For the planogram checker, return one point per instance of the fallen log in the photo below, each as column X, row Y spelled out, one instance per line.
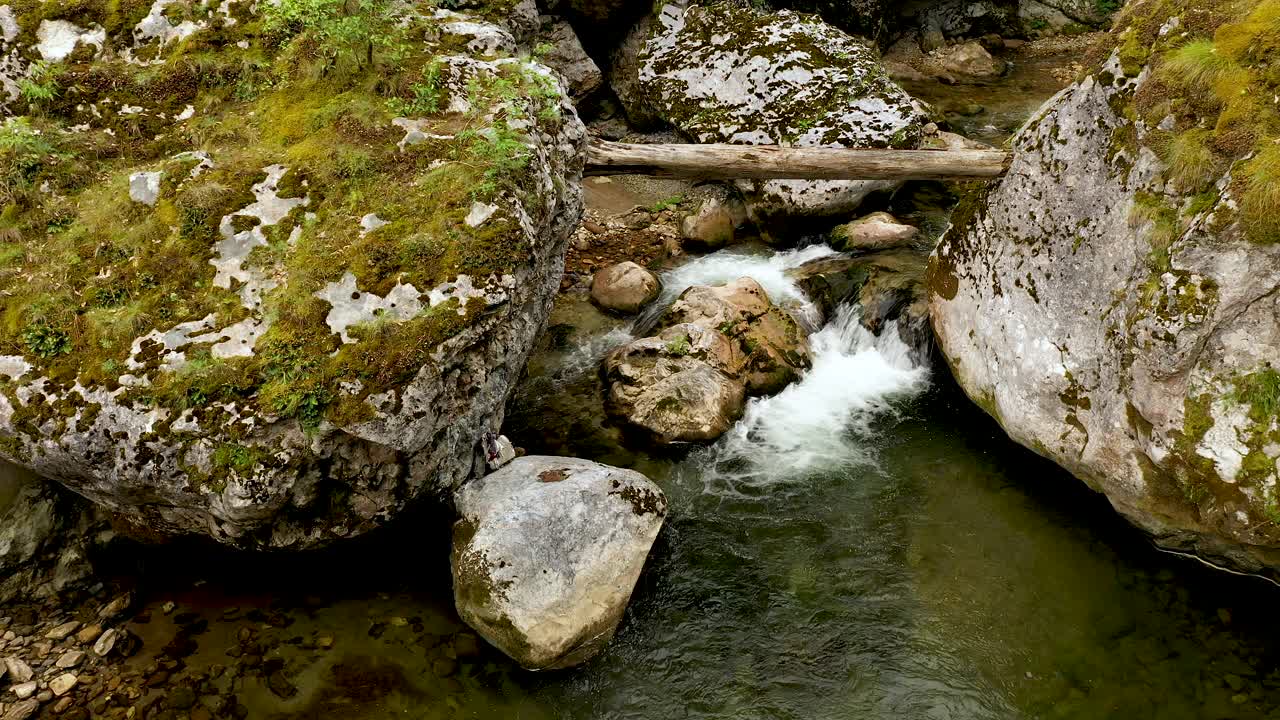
column 773, row 162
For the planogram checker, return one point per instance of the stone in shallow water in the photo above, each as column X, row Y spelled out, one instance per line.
column 547, row 552
column 625, row 287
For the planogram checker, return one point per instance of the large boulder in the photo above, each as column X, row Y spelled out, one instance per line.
column 867, row 18
column 1113, row 301
column 773, row 346
column 877, row 231
column 546, row 553
column 565, row 53
column 767, row 78
column 321, row 314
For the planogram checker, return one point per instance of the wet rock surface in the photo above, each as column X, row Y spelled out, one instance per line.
column 625, row 287
column 546, row 552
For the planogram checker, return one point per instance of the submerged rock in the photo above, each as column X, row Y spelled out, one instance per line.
column 721, row 73
column 625, row 287
column 1119, row 315
column 546, row 553
column 968, row 60
column 244, row 358
column 888, row 288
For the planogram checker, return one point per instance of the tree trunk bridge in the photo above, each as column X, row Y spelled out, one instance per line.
column 773, row 162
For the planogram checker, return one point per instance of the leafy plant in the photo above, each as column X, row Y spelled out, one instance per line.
column 46, row 342
column 40, row 85
column 666, row 203
column 427, row 95
column 679, row 346
column 349, row 35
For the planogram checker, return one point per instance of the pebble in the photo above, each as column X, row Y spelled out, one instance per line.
column 181, row 698
column 70, row 659
column 106, row 642
column 89, row 633
column 116, row 607
column 19, row 671
column 62, row 705
column 25, row 690
column 63, row 631
column 168, row 607
column 22, row 710
column 324, row 642
column 44, row 696
column 62, row 684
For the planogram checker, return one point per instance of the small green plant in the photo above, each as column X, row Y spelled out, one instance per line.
column 500, row 152
column 666, row 203
column 349, row 35
column 18, row 137
column 679, row 346
column 40, row 86
column 1261, row 392
column 46, row 342
column 427, row 95
column 1106, row 7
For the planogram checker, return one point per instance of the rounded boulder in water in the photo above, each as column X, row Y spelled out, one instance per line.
column 546, row 553
column 625, row 287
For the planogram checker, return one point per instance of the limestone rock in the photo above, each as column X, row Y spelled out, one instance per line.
column 877, row 231
column 769, row 79
column 868, row 18
column 46, row 536
column 144, row 187
column 625, row 287
column 968, row 60
column 106, row 642
column 22, row 710
column 546, row 553
column 568, row 58
column 774, row 346
column 22, row 691
column 679, row 386
column 710, row 228
column 1115, row 323
column 401, row 347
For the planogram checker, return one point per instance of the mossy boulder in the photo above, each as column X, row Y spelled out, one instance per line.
column 269, row 271
column 724, row 73
column 1113, row 301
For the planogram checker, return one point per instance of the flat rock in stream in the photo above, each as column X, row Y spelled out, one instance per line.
column 546, row 553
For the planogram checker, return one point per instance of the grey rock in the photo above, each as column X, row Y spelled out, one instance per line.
column 24, row 690
column 63, row 631
column 106, row 643
column 567, row 56
column 625, row 287
column 45, row 536
column 1119, row 352
column 70, row 659
column 772, row 78
column 19, row 671
column 546, row 552
column 144, row 187
column 422, row 435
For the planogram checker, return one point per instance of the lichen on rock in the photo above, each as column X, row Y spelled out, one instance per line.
column 721, row 73
column 201, row 331
column 1113, row 300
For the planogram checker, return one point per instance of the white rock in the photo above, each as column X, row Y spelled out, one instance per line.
column 62, row 684
column 547, row 552
column 144, row 187
column 25, row 690
column 56, row 39
column 106, row 642
column 70, row 659
column 19, row 671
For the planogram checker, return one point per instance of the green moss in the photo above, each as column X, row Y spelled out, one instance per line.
column 314, row 91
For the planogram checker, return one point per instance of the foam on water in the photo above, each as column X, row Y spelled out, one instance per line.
column 822, row 422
